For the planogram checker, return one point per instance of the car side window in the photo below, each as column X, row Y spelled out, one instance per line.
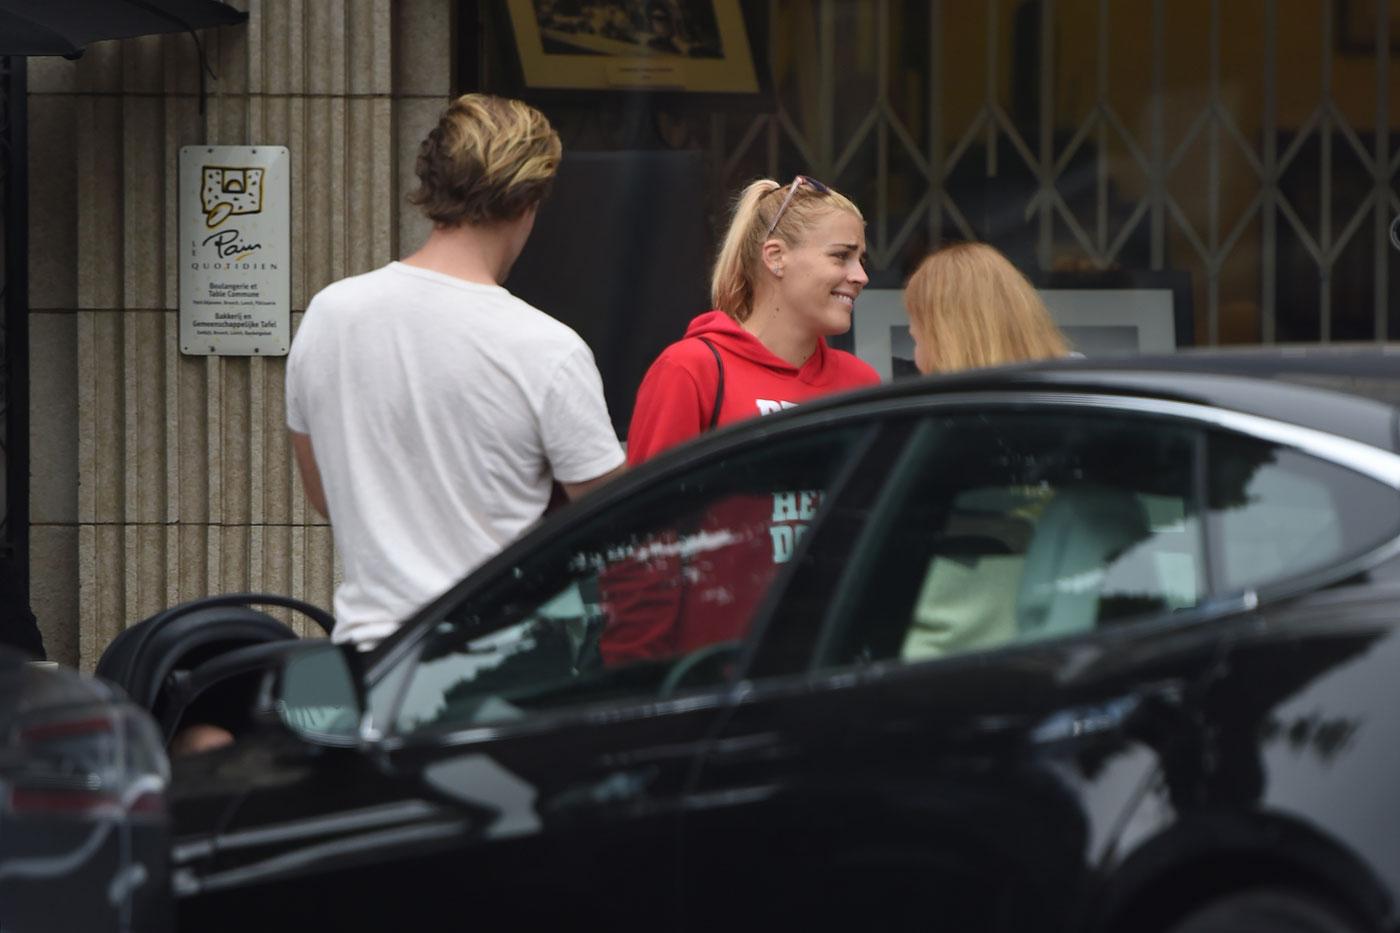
column 1276, row 513
column 1003, row 528
column 647, row 599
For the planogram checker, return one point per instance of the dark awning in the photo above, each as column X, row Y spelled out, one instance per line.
column 66, row 27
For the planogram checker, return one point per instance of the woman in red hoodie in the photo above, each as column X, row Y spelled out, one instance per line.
column 787, row 277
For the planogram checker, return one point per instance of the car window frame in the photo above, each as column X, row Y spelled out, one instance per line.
column 1364, row 459
column 888, row 504
column 395, row 666
column 878, row 413
column 888, row 439
column 1350, row 564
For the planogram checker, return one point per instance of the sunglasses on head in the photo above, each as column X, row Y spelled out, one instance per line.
column 797, row 182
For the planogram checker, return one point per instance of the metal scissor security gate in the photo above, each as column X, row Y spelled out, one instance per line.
column 1251, row 150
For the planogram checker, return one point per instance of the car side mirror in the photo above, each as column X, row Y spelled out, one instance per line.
column 319, row 696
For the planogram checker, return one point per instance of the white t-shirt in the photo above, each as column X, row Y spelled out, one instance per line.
column 439, row 410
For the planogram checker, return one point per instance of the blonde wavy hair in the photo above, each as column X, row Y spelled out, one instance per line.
column 971, row 307
column 740, row 256
column 489, row 159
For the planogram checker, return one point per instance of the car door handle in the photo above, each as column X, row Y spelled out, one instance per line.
column 618, row 787
column 1140, row 714
column 757, row 746
column 1083, row 721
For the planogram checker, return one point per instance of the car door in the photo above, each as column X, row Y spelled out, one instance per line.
column 541, row 723
column 1006, row 666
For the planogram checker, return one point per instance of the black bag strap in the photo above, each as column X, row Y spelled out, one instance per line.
column 719, row 390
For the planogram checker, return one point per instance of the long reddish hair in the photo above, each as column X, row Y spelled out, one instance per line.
column 972, row 307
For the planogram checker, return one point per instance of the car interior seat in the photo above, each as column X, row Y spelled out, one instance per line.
column 1072, row 561
column 967, row 600
column 947, row 577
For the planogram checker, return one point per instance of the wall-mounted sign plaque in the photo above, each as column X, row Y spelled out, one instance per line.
column 235, row 251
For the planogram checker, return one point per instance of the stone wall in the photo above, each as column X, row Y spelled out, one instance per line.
column 157, row 477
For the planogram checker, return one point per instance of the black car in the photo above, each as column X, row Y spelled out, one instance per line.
column 84, row 830
column 1082, row 645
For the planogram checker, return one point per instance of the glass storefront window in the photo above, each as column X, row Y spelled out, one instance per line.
column 1243, row 147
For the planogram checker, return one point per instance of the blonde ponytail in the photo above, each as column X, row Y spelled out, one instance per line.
column 731, row 285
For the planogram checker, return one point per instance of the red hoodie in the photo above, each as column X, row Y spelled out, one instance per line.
column 678, row 593
column 677, row 396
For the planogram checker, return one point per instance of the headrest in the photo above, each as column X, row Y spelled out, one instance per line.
column 1081, row 532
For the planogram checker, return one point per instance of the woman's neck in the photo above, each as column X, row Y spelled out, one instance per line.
column 780, row 330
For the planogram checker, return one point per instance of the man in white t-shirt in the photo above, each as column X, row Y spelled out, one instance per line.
column 430, row 409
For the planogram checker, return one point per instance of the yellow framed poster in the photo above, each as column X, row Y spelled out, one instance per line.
column 665, row 45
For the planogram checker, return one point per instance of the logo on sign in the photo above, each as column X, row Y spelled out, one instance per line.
column 225, row 192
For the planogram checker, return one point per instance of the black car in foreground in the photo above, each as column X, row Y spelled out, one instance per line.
column 1084, row 645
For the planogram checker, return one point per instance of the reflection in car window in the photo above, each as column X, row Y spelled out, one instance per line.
column 1276, row 513
column 1008, row 528
column 650, row 598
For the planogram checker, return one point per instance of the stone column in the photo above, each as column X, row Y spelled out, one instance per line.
column 158, row 477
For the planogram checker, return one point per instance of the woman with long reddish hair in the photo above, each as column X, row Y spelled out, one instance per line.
column 969, row 306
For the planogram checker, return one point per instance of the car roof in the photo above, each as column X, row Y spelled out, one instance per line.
column 1350, row 391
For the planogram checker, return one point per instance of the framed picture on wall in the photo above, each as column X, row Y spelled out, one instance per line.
column 627, row 45
column 1101, row 313
column 880, row 333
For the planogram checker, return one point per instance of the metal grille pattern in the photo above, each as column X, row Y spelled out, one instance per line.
column 817, row 87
